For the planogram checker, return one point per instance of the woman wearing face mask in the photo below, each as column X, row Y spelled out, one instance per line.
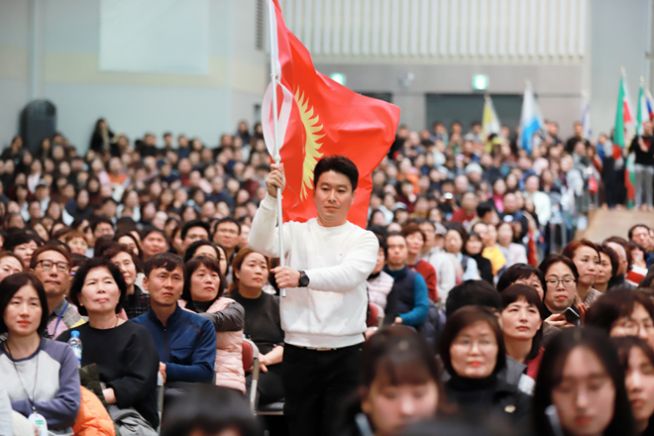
column 586, row 258
column 262, row 321
column 473, row 353
column 203, row 293
column 637, row 360
column 624, row 312
column 521, row 320
column 39, row 375
column 400, row 384
column 580, row 389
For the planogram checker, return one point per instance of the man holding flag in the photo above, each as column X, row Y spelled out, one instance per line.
column 323, row 312
column 326, row 140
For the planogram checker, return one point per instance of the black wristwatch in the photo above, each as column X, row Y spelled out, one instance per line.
column 304, row 280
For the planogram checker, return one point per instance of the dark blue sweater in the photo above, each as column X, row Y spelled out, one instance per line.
column 186, row 344
column 408, row 297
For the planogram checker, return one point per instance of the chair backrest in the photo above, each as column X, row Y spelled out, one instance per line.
column 373, row 315
column 250, row 356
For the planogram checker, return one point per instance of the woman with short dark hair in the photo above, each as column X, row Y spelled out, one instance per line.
column 624, row 312
column 562, row 308
column 39, row 375
column 400, row 384
column 522, row 273
column 204, row 286
column 473, row 352
column 522, row 326
column 262, row 321
column 136, row 301
column 124, row 352
column 607, row 268
column 586, row 257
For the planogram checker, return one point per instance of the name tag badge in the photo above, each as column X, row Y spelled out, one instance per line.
column 39, row 422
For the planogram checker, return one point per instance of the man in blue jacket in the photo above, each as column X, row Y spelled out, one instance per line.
column 186, row 342
column 407, row 302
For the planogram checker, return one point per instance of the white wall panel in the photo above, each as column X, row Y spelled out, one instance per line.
column 442, row 30
column 373, row 39
column 473, row 30
column 425, row 28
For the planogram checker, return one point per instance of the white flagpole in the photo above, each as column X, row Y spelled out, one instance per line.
column 274, row 78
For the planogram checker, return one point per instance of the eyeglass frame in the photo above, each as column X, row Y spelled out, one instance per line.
column 556, row 281
column 57, row 265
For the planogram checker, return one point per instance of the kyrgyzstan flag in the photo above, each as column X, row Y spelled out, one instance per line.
column 319, row 117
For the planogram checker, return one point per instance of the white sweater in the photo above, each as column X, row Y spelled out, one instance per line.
column 331, row 312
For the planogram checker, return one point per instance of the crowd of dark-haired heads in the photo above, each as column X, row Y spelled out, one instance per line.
column 516, row 322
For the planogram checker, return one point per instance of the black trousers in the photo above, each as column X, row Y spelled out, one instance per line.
column 316, row 384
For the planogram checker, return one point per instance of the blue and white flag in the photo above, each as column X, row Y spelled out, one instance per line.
column 530, row 119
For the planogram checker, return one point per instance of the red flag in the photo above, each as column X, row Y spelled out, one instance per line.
column 319, row 117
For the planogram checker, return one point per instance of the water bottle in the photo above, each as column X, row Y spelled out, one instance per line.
column 76, row 344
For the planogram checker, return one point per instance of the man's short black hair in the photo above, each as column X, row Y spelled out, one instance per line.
column 473, row 293
column 633, row 228
column 338, row 164
column 152, row 229
column 16, row 237
column 194, row 223
column 227, row 219
column 484, row 208
column 167, row 261
column 97, row 220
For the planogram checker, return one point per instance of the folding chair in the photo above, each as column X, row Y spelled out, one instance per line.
column 252, row 364
column 374, row 319
column 250, row 357
column 160, row 397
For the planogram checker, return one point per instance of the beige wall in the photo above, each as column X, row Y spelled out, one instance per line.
column 59, row 55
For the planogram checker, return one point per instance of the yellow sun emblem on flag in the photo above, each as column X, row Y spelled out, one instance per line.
column 313, row 130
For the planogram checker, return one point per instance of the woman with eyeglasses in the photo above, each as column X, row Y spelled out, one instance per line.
column 561, row 301
column 473, row 352
column 624, row 312
column 580, row 389
column 39, row 375
column 586, row 257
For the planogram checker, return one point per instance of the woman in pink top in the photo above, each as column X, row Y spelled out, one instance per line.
column 203, row 293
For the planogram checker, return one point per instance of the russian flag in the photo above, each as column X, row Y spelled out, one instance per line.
column 530, row 119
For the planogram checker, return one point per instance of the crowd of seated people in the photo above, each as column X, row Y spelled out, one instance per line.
column 142, row 251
